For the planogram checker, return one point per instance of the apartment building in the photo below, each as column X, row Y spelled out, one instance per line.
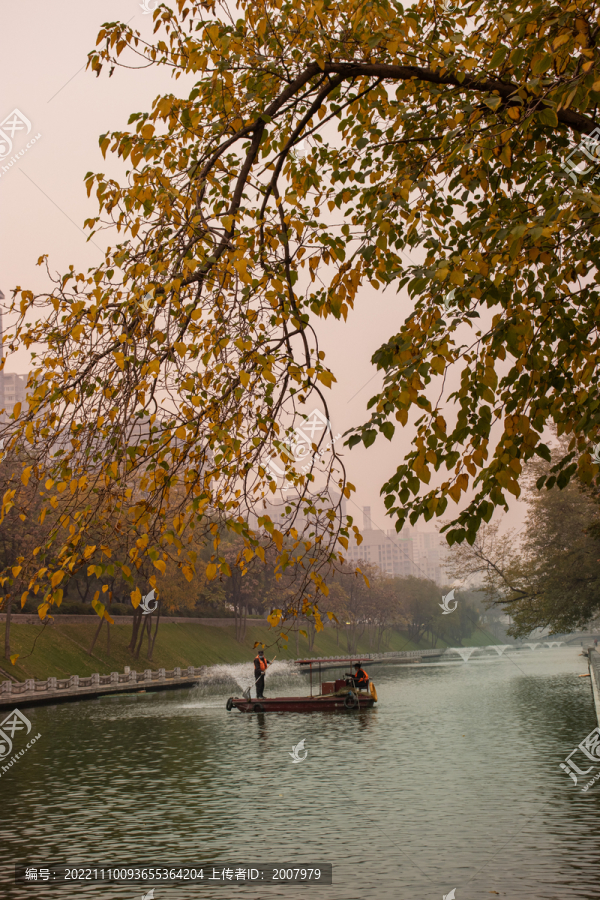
column 13, row 387
column 410, row 552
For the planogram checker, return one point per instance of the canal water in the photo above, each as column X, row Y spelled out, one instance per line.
column 452, row 783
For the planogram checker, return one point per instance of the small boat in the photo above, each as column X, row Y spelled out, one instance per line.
column 334, row 695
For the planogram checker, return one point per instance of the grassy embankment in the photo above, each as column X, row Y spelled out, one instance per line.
column 62, row 650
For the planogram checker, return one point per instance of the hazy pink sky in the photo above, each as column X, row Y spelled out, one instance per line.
column 44, row 203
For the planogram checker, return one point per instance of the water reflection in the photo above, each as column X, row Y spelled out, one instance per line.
column 452, row 781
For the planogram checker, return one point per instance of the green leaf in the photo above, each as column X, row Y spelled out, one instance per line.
column 369, row 437
column 493, row 102
column 542, row 64
column 548, row 117
column 498, row 57
column 517, row 56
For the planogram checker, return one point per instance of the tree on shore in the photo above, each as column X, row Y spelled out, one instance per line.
column 232, row 239
column 551, row 577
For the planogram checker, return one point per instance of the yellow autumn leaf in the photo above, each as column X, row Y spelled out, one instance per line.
column 99, row 608
column 26, row 475
column 327, row 378
column 14, row 658
column 274, row 618
column 56, row 579
column 136, row 598
column 160, row 565
column 211, row 571
column 242, row 265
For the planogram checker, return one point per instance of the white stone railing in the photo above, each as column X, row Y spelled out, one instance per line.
column 129, row 676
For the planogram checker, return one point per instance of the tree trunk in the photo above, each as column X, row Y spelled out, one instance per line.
column 8, row 601
column 96, row 635
column 353, row 636
column 87, row 588
column 139, row 645
column 151, row 647
column 350, row 639
column 108, row 638
column 241, row 615
column 244, row 621
column 137, row 620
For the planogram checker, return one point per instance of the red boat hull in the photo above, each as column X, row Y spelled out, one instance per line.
column 326, row 703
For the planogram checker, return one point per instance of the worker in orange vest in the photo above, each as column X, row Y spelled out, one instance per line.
column 260, row 667
column 360, row 679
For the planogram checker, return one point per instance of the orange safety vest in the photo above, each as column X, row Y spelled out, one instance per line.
column 261, row 662
column 361, row 675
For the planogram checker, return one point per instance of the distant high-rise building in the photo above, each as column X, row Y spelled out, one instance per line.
column 367, row 523
column 13, row 387
column 409, row 552
column 391, row 552
column 428, row 554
